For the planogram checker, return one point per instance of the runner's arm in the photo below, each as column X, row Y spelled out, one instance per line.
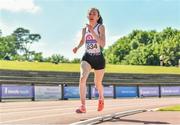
column 101, row 39
column 82, row 39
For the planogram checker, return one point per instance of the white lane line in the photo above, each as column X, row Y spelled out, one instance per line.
column 63, row 108
column 40, row 104
column 52, row 115
column 91, row 106
column 49, row 108
column 29, row 109
column 37, row 107
column 32, row 106
column 40, row 110
column 30, row 118
column 35, row 104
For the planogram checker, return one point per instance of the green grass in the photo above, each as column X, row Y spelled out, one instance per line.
column 171, row 108
column 16, row 65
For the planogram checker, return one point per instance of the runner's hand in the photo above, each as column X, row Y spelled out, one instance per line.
column 75, row 49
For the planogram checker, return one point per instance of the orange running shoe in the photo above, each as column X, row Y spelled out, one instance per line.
column 81, row 109
column 100, row 105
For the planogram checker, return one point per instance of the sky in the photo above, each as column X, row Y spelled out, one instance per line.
column 59, row 22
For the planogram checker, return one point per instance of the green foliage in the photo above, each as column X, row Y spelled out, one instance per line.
column 57, row 58
column 24, row 39
column 116, row 53
column 76, row 60
column 145, row 48
column 137, row 48
column 38, row 57
column 8, row 47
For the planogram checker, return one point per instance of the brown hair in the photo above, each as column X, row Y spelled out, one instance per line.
column 100, row 20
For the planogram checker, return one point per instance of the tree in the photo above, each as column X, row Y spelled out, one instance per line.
column 0, row 32
column 8, row 47
column 24, row 39
column 57, row 58
column 76, row 60
column 38, row 57
column 145, row 48
column 116, row 53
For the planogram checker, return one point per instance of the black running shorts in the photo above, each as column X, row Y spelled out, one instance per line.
column 97, row 62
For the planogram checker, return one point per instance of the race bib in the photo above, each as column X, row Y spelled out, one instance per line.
column 91, row 44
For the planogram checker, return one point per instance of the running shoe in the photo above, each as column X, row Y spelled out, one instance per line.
column 81, row 109
column 100, row 105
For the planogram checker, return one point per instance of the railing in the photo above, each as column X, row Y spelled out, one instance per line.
column 37, row 85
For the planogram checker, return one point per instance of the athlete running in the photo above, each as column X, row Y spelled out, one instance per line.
column 93, row 35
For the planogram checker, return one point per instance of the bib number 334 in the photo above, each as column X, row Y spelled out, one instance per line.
column 91, row 45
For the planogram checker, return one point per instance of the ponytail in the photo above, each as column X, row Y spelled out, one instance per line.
column 100, row 20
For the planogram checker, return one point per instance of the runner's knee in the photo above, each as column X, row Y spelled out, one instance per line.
column 98, row 85
column 83, row 79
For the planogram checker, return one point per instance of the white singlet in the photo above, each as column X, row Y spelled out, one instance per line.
column 91, row 44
